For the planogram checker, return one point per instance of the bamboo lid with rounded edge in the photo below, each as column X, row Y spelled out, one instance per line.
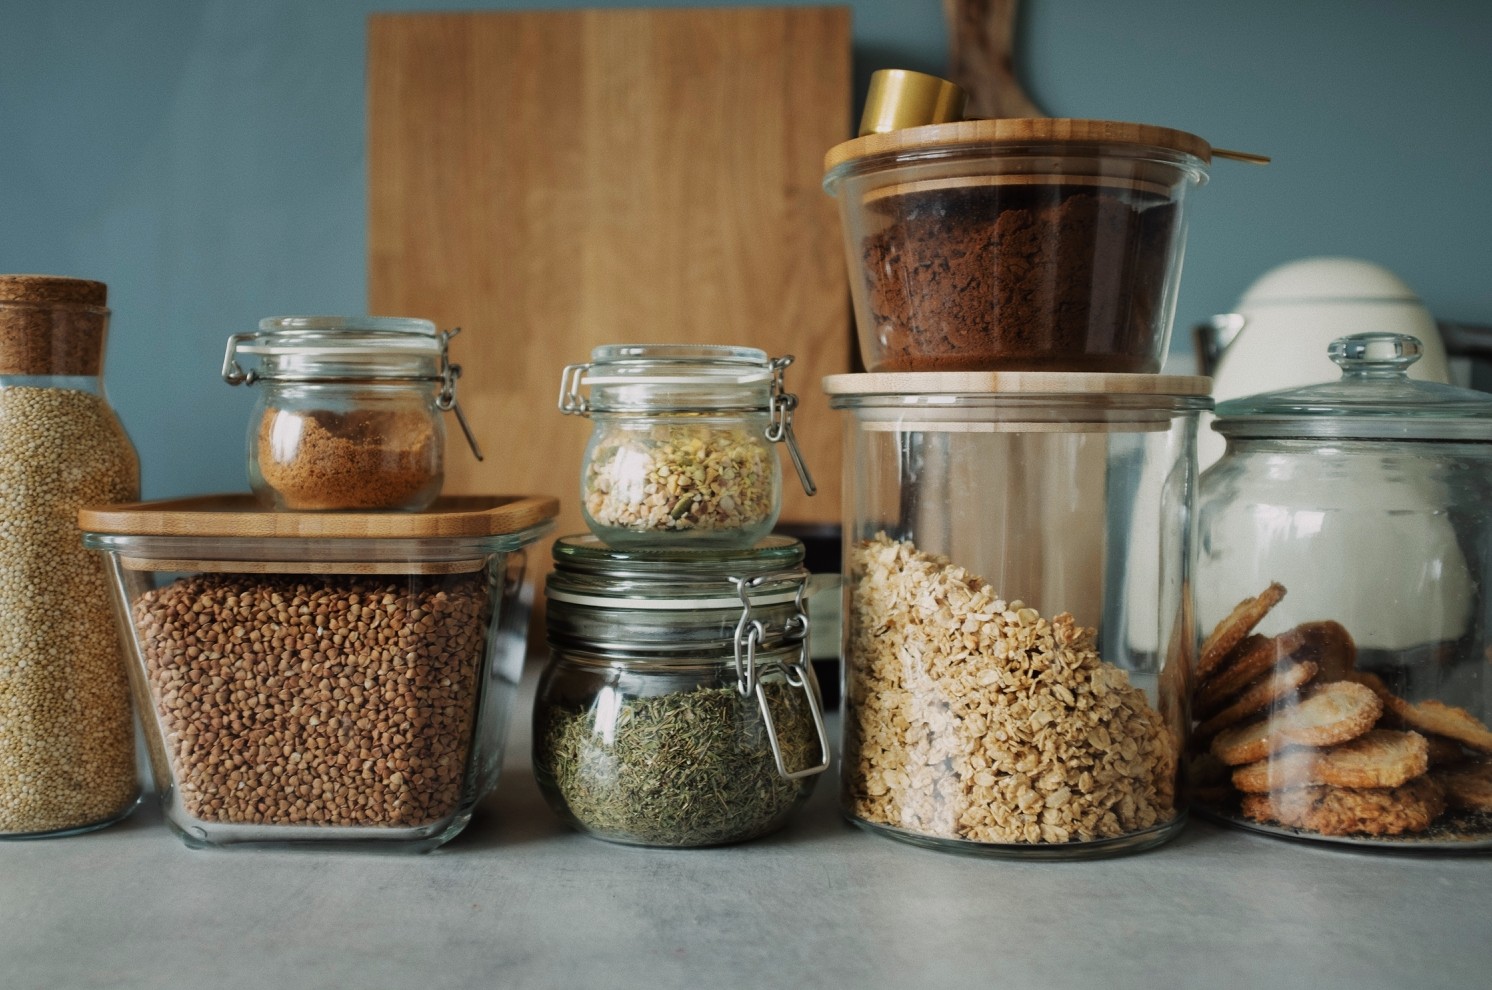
column 1014, row 383
column 242, row 516
column 1019, row 130
column 59, row 290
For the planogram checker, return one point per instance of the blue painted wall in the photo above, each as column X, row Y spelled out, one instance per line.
column 205, row 158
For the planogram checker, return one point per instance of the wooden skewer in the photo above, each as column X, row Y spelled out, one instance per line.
column 1241, row 156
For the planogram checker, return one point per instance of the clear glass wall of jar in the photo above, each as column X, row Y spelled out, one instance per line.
column 1017, row 608
column 672, row 712
column 1343, row 692
column 349, row 412
column 67, row 738
column 682, row 453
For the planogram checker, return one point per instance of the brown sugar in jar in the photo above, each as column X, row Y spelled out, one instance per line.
column 363, row 459
column 1035, row 277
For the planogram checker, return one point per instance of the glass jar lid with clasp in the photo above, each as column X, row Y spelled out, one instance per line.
column 349, row 413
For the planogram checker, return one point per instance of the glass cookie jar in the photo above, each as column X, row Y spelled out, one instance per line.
column 679, row 706
column 349, row 411
column 1018, row 606
column 1343, row 692
column 682, row 453
column 308, row 678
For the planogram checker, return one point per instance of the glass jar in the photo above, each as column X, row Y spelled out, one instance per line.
column 1018, row 554
column 682, row 448
column 1343, row 692
column 67, row 736
column 349, row 413
column 1044, row 244
column 308, row 678
column 679, row 706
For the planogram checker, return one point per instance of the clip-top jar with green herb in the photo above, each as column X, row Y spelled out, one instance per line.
column 679, row 706
column 682, row 453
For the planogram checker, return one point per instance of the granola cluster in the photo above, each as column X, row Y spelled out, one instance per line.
column 674, row 477
column 975, row 718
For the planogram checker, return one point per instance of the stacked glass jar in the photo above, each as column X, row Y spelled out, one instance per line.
column 679, row 705
column 1020, row 485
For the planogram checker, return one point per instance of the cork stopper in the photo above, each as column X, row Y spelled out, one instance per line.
column 52, row 325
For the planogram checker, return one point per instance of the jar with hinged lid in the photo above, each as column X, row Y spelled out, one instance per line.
column 682, row 450
column 349, row 416
column 679, row 706
column 1343, row 691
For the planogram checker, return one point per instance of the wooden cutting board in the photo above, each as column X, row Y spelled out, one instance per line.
column 553, row 181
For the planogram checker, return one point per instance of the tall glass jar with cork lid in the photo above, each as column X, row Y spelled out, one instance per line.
column 67, row 753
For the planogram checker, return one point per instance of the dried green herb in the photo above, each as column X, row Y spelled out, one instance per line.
column 693, row 768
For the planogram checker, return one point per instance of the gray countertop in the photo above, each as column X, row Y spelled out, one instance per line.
column 520, row 901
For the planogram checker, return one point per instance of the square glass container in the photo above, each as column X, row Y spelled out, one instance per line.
column 315, row 678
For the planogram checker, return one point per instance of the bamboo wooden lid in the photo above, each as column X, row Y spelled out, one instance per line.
column 1014, row 383
column 1019, row 130
column 241, row 515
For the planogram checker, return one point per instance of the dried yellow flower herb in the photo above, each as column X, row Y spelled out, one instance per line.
column 693, row 475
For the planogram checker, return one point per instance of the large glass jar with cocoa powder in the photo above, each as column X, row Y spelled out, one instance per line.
column 317, row 677
column 1039, row 245
column 1018, row 607
column 67, row 737
column 349, row 411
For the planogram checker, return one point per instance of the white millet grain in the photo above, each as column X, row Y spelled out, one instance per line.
column 67, row 743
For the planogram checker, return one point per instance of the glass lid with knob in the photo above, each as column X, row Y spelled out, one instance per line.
column 1374, row 399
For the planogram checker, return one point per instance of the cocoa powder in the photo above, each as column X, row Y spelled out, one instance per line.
column 366, row 459
column 1031, row 277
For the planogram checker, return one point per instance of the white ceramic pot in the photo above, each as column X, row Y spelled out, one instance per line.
column 1290, row 316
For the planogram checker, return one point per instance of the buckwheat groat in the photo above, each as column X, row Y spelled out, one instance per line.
column 290, row 699
column 975, row 718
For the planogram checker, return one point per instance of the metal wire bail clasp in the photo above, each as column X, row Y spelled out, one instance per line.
column 232, row 373
column 446, row 400
column 781, row 428
column 571, row 402
column 750, row 632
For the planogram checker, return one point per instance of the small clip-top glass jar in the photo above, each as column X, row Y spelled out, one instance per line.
column 682, row 449
column 1343, row 693
column 679, row 706
column 349, row 411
